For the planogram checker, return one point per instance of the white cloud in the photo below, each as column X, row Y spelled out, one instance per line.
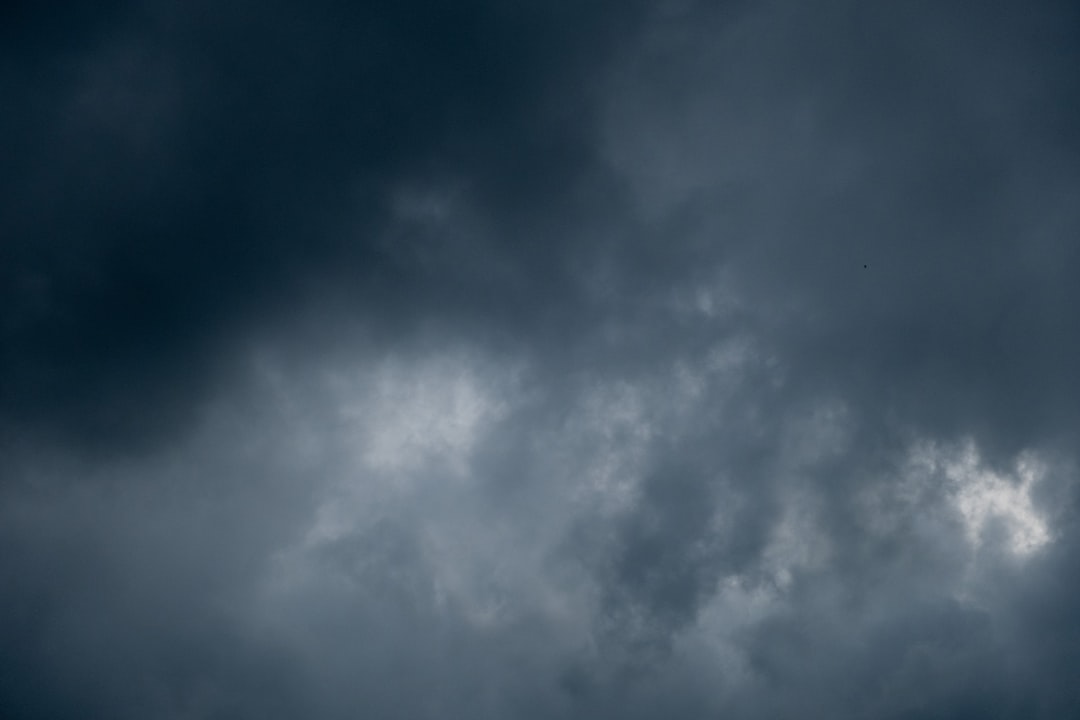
column 982, row 496
column 409, row 415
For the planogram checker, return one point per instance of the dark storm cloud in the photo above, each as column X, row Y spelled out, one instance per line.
column 503, row 360
column 173, row 173
column 929, row 145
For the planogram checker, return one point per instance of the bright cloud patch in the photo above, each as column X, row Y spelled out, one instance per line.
column 408, row 416
column 983, row 496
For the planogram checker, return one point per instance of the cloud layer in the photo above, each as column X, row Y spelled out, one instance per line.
column 482, row 359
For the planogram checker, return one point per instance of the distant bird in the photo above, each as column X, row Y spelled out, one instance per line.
column 865, row 266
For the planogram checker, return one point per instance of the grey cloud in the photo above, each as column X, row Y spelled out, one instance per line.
column 482, row 360
column 176, row 172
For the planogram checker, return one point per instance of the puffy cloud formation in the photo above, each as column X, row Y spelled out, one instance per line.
column 539, row 360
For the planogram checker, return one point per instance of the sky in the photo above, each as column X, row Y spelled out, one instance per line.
column 539, row 360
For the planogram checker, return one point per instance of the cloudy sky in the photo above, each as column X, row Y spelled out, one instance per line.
column 517, row 359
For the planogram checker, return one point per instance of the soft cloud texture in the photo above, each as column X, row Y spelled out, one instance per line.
column 519, row 360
